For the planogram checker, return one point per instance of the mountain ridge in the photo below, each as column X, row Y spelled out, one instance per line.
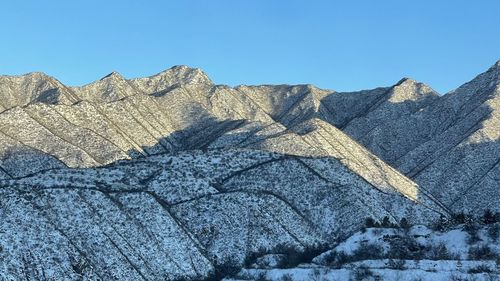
column 171, row 168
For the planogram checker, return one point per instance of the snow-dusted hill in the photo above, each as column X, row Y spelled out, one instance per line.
column 461, row 252
column 190, row 214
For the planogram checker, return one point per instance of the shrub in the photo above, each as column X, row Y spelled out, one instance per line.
column 462, row 218
column 362, row 273
column 403, row 223
column 337, row 259
column 440, row 252
column 296, row 256
column 473, row 231
column 261, row 277
column 369, row 222
column 364, row 252
column 489, row 217
column 315, row 275
column 226, row 269
column 442, row 223
column 494, row 231
column 405, row 248
column 481, row 253
column 397, row 264
column 368, row 252
column 386, row 222
column 252, row 257
column 456, row 277
column 480, row 269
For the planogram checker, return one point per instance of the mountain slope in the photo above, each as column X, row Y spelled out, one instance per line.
column 451, row 148
column 189, row 214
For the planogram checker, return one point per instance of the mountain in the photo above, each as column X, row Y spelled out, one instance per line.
column 32, row 88
column 174, row 177
column 451, row 146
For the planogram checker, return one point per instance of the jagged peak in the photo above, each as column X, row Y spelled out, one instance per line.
column 497, row 64
column 406, row 80
column 113, row 75
column 409, row 89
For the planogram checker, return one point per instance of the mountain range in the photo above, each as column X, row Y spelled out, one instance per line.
column 174, row 177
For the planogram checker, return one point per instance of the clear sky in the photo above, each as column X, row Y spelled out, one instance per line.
column 340, row 45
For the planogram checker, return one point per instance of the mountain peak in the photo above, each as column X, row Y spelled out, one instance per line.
column 410, row 89
column 176, row 75
column 406, row 80
column 113, row 75
column 186, row 74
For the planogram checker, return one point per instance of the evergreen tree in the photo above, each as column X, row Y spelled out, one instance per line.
column 404, row 223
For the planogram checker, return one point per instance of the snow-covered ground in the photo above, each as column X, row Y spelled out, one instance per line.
column 371, row 255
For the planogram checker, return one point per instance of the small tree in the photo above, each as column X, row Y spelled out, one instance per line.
column 404, row 223
column 461, row 218
column 488, row 217
column 386, row 222
column 369, row 222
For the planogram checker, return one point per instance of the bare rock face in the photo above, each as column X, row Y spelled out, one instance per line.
column 172, row 177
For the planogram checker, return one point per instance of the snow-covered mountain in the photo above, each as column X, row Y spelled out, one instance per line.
column 173, row 177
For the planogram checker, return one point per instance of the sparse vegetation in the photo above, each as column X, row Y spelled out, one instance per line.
column 480, row 269
column 365, row 252
column 261, row 276
column 396, row 264
column 482, row 253
column 494, row 231
column 362, row 273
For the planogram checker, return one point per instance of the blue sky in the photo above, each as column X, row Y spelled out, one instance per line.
column 340, row 45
